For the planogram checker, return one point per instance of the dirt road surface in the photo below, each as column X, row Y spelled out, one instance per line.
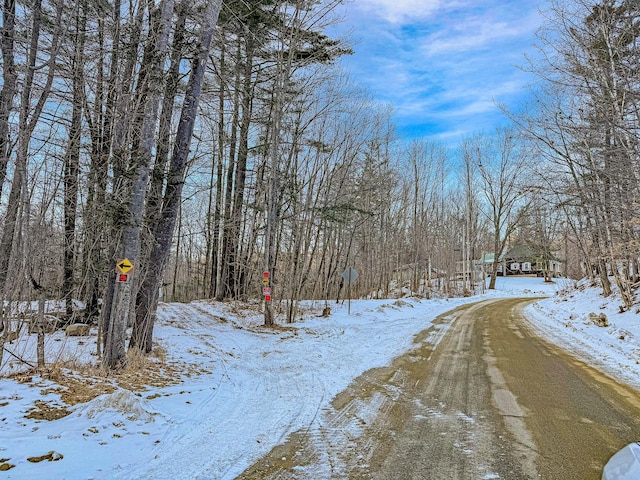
column 480, row 397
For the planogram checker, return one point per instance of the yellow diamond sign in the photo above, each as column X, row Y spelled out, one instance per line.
column 124, row 265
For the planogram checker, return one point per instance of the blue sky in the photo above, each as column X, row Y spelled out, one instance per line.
column 443, row 64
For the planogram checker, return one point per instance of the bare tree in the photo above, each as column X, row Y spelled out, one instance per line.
column 9, row 78
column 151, row 82
column 475, row 228
column 589, row 125
column 72, row 159
column 148, row 294
column 502, row 161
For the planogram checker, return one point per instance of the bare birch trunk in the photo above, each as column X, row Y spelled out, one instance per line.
column 148, row 294
column 124, row 293
column 159, row 173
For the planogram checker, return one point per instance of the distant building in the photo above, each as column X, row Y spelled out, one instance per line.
column 523, row 260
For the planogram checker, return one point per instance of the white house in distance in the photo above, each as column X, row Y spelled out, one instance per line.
column 519, row 260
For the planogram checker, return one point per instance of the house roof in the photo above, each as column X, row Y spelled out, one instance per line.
column 524, row 252
column 521, row 252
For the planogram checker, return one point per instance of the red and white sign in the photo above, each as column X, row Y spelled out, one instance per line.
column 266, row 291
column 265, row 275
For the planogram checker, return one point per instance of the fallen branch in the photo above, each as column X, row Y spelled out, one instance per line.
column 18, row 357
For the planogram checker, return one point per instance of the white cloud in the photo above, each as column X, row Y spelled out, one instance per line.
column 478, row 32
column 398, row 11
column 444, row 64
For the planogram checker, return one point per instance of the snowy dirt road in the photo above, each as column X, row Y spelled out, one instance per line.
column 479, row 397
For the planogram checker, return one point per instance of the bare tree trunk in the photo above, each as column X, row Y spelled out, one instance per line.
column 9, row 78
column 225, row 286
column 41, row 326
column 236, row 270
column 120, row 135
column 143, row 154
column 101, row 129
column 72, row 162
column 282, row 76
column 216, row 270
column 159, row 174
column 148, row 294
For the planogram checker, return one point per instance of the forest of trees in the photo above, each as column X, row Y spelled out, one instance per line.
column 207, row 142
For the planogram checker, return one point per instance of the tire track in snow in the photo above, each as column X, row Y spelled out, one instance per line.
column 340, row 442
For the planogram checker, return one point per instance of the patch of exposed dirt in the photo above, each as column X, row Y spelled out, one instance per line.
column 47, row 411
column 245, row 309
column 51, row 457
column 275, row 329
column 153, row 375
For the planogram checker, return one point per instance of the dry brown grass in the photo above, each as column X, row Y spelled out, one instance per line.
column 47, row 411
column 83, row 383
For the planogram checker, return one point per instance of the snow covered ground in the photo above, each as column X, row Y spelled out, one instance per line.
column 230, row 390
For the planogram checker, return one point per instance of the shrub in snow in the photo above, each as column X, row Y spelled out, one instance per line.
column 78, row 330
column 599, row 319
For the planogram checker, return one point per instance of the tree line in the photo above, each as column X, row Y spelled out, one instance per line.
column 584, row 121
column 201, row 144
